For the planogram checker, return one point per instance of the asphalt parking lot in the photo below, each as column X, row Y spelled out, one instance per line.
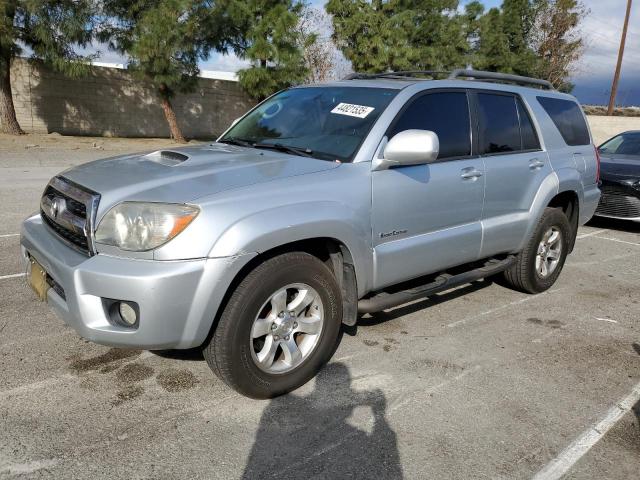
column 479, row 382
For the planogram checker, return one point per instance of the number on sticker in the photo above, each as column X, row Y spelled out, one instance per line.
column 360, row 111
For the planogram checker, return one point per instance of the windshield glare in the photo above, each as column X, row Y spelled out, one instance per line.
column 325, row 122
column 624, row 144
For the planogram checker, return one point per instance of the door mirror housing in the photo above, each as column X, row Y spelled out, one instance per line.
column 410, row 147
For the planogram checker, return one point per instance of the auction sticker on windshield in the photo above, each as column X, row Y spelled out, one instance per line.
column 351, row 110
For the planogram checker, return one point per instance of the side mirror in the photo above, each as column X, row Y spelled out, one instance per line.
column 410, row 147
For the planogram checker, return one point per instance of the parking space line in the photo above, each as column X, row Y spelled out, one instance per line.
column 619, row 241
column 591, row 234
column 6, row 235
column 606, row 320
column 13, row 275
column 559, row 466
column 502, row 307
column 402, row 401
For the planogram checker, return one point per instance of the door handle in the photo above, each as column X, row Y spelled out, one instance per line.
column 536, row 164
column 470, row 174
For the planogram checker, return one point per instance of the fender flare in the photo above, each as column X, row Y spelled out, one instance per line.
column 268, row 229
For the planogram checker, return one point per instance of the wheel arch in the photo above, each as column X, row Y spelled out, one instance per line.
column 332, row 251
column 569, row 202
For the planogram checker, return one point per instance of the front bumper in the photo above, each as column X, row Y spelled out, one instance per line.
column 177, row 300
column 619, row 200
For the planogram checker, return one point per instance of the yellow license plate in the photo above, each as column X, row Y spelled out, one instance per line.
column 38, row 279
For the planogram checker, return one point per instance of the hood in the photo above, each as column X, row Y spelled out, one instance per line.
column 620, row 166
column 184, row 174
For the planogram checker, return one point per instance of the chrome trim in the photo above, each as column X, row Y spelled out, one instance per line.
column 68, row 220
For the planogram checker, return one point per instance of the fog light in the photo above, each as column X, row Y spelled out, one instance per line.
column 128, row 313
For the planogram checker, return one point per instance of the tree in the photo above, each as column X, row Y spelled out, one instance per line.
column 382, row 35
column 517, row 22
column 321, row 56
column 266, row 33
column 557, row 41
column 163, row 41
column 50, row 29
column 471, row 21
column 493, row 52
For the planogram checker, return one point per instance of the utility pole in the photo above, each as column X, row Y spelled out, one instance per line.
column 616, row 76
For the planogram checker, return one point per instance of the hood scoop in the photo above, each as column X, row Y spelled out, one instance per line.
column 168, row 158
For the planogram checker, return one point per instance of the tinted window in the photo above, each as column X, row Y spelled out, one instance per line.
column 499, row 129
column 446, row 114
column 623, row 144
column 568, row 118
column 529, row 137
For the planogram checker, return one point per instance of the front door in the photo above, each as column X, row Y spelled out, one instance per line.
column 427, row 217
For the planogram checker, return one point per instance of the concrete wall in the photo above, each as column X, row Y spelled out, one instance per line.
column 109, row 102
column 603, row 128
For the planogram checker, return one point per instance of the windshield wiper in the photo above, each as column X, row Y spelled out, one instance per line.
column 305, row 152
column 241, row 142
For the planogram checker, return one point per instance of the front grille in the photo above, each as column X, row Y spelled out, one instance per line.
column 78, row 239
column 68, row 210
column 618, row 202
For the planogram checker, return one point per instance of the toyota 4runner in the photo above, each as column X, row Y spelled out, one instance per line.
column 322, row 202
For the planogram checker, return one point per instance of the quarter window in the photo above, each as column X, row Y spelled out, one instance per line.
column 499, row 129
column 568, row 118
column 446, row 114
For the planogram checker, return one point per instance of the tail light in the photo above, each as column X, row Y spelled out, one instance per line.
column 597, row 164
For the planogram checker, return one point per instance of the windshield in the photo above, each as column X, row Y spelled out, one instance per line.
column 323, row 122
column 624, row 144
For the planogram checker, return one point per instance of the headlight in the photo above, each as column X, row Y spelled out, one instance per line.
column 140, row 226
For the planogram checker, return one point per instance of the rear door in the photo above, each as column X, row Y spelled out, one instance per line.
column 515, row 167
column 427, row 217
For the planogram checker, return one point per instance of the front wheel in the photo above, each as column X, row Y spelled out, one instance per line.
column 538, row 266
column 279, row 327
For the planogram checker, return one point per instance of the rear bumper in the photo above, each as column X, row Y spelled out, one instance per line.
column 591, row 197
column 177, row 300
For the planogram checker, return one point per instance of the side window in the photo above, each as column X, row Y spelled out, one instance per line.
column 568, row 118
column 446, row 114
column 499, row 129
column 530, row 139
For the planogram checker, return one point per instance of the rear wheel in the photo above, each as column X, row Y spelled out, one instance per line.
column 538, row 266
column 279, row 327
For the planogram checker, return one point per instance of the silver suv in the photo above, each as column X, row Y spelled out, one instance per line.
column 323, row 202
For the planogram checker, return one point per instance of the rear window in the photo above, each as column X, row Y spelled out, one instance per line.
column 568, row 118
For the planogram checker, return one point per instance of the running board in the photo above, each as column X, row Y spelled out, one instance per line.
column 383, row 300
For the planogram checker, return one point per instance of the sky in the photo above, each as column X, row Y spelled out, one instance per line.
column 601, row 31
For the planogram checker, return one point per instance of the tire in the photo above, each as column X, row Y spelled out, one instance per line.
column 524, row 274
column 233, row 353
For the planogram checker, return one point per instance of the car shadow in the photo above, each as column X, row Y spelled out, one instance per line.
column 189, row 355
column 333, row 432
column 614, row 224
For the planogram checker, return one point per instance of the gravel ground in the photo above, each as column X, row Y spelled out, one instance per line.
column 479, row 382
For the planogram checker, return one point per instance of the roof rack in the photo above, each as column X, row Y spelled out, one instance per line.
column 500, row 78
column 457, row 74
column 403, row 74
